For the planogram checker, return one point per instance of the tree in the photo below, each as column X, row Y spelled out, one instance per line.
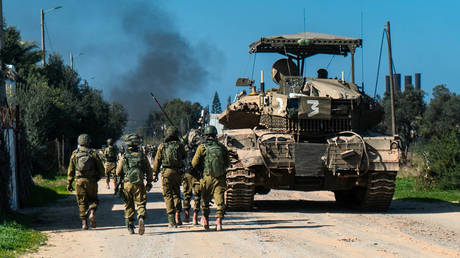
column 216, row 106
column 183, row 114
column 229, row 101
column 442, row 113
column 55, row 104
column 409, row 109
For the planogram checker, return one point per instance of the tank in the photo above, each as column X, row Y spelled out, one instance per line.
column 308, row 133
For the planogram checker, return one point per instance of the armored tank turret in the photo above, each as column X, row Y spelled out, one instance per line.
column 309, row 133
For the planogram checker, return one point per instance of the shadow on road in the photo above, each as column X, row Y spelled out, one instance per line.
column 63, row 215
column 397, row 207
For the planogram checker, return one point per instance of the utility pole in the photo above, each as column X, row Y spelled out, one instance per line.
column 392, row 90
column 42, row 23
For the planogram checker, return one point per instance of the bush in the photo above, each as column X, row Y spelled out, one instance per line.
column 441, row 157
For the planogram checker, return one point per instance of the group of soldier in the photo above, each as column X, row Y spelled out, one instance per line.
column 199, row 164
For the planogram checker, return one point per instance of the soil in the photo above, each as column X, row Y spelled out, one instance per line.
column 282, row 224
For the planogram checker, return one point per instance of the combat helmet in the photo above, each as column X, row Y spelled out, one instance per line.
column 132, row 139
column 172, row 131
column 210, row 130
column 84, row 140
column 109, row 141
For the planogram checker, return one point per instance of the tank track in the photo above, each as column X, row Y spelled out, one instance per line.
column 240, row 187
column 378, row 194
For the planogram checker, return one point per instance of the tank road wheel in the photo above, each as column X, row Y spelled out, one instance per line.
column 240, row 189
column 378, row 194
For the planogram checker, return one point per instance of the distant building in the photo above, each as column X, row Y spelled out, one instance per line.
column 213, row 120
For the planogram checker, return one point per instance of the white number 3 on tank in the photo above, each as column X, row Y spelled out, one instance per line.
column 314, row 107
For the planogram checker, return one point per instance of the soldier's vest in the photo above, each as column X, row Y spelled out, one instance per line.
column 85, row 165
column 111, row 154
column 172, row 156
column 214, row 162
column 132, row 167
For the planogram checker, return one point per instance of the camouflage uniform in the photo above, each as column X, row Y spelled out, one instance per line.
column 192, row 176
column 211, row 186
column 134, row 191
column 86, row 181
column 171, row 176
column 111, row 156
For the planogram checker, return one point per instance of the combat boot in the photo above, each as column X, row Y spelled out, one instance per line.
column 187, row 215
column 131, row 229
column 141, row 225
column 84, row 224
column 178, row 221
column 205, row 222
column 171, row 221
column 130, row 226
column 219, row 224
column 92, row 218
column 195, row 218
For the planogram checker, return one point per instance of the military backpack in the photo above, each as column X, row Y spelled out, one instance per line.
column 111, row 154
column 132, row 167
column 172, row 155
column 214, row 162
column 85, row 165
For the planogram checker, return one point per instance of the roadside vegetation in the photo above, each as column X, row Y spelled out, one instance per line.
column 406, row 188
column 430, row 136
column 47, row 190
column 16, row 236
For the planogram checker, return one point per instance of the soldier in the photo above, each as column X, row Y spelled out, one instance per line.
column 171, row 155
column 192, row 176
column 87, row 168
column 111, row 156
column 214, row 156
column 132, row 168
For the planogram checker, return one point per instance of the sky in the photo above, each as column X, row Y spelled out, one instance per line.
column 190, row 49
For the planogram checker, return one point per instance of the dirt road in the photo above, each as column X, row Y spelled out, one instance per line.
column 283, row 224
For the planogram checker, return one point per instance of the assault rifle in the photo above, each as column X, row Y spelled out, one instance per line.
column 119, row 189
column 161, row 108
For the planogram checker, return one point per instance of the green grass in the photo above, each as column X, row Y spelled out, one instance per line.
column 406, row 189
column 47, row 190
column 16, row 237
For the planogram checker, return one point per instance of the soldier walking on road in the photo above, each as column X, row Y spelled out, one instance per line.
column 171, row 156
column 132, row 168
column 192, row 176
column 214, row 156
column 87, row 168
column 111, row 156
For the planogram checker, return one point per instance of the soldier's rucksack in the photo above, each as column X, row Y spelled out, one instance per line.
column 171, row 157
column 85, row 165
column 214, row 162
column 132, row 167
column 111, row 154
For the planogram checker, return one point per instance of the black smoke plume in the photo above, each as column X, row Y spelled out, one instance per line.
column 169, row 66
